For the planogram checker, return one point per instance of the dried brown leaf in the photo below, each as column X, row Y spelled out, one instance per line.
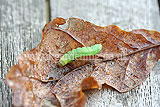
column 126, row 60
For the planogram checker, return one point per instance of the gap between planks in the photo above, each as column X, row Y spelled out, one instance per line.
column 47, row 11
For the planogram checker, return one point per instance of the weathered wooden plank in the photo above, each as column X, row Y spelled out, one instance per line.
column 21, row 22
column 127, row 14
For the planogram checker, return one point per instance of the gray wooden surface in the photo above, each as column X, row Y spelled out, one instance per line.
column 21, row 23
column 127, row 14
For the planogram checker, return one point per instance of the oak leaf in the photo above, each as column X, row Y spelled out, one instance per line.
column 125, row 61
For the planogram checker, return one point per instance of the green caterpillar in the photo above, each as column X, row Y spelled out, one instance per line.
column 79, row 52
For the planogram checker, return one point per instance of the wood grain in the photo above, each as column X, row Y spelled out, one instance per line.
column 128, row 15
column 21, row 23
